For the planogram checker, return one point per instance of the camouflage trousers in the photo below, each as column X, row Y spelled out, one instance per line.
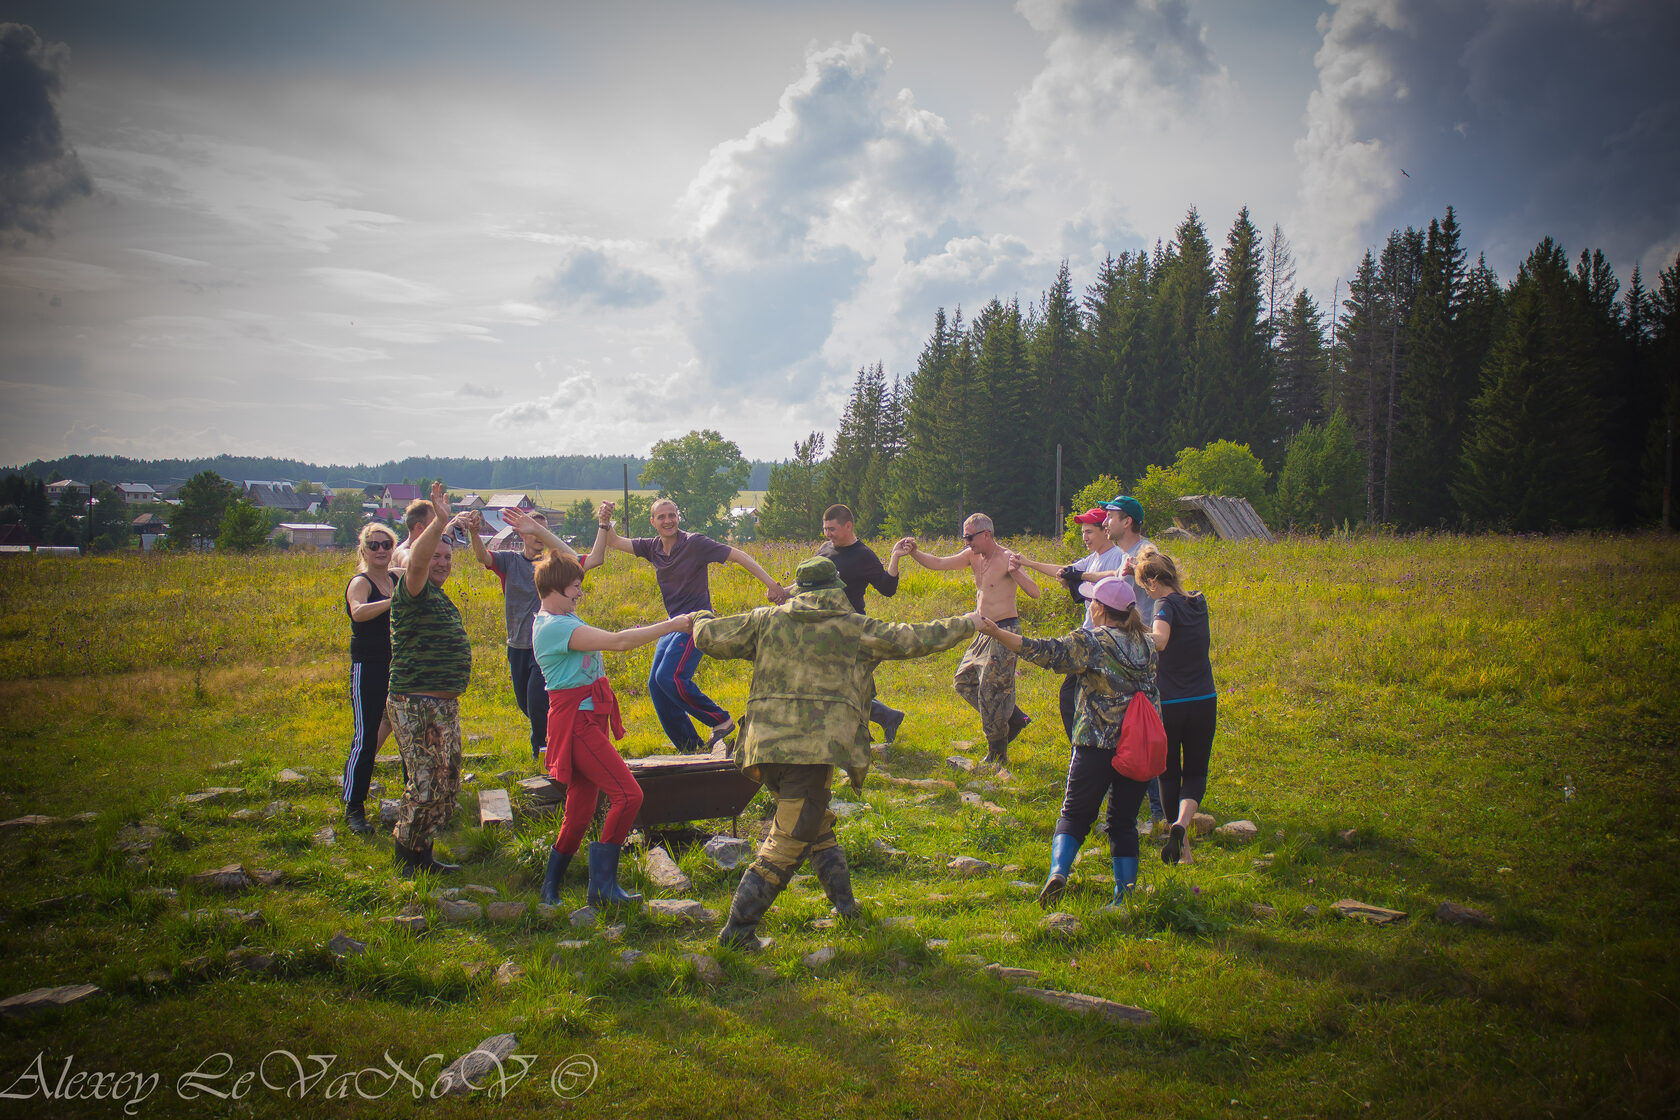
column 986, row 681
column 802, row 823
column 428, row 734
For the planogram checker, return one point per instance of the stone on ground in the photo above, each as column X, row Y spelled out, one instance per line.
column 343, row 945
column 245, row 816
column 45, row 999
column 505, row 911
column 1081, row 1004
column 1262, row 911
column 727, row 851
column 325, row 836
column 413, row 923
column 1239, row 830
column 1203, row 823
column 28, row 821
column 138, row 837
column 453, row 911
column 968, row 865
column 705, row 967
column 494, row 808
column 1456, row 915
column 229, row 878
column 1365, row 912
column 266, row 877
column 614, row 932
column 567, row 947
column 288, row 776
column 480, row 889
column 388, row 811
column 1061, row 924
column 958, row 762
column 476, row 1067
column 662, row 871
column 583, row 917
column 820, row 957
column 212, row 794
column 1011, row 975
column 629, row 957
column 508, row 973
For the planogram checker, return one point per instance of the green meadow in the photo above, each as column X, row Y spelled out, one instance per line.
column 1485, row 721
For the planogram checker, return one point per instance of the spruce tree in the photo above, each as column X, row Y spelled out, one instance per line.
column 1299, row 388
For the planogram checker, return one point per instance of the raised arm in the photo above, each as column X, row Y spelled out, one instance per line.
column 587, row 639
column 475, row 522
column 610, row 535
column 898, row 553
column 425, row 545
column 527, row 526
column 775, row 592
column 603, row 525
column 937, row 563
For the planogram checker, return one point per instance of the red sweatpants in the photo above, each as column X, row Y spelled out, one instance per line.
column 597, row 768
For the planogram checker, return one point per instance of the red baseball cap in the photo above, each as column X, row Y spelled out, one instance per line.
column 1096, row 515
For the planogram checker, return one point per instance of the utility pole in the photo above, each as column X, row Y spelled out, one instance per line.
column 1056, row 518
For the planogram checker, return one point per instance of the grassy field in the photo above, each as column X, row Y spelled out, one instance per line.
column 1494, row 719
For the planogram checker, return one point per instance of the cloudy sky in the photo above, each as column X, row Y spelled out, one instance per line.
column 353, row 230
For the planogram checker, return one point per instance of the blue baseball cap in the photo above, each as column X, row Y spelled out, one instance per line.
column 1129, row 506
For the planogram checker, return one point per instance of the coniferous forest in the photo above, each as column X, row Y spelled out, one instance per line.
column 1427, row 393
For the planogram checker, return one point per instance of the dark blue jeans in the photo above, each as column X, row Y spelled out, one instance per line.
column 676, row 698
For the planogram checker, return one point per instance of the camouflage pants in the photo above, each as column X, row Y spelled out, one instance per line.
column 428, row 734
column 802, row 823
column 986, row 680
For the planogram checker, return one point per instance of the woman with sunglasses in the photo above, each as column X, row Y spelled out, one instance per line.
column 367, row 600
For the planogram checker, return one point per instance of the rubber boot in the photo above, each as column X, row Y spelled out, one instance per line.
column 1125, row 878
column 835, row 876
column 752, row 898
column 557, row 864
column 410, row 861
column 355, row 818
column 1062, row 850
column 432, row 864
column 603, row 876
column 890, row 719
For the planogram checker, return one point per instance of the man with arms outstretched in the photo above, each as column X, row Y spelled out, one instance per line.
column 986, row 676
column 860, row 569
column 679, row 562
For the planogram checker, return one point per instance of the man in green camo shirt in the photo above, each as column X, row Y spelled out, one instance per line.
column 814, row 664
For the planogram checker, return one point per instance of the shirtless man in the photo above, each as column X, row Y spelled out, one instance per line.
column 986, row 677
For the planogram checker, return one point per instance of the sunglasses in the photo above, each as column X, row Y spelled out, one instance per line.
column 381, row 545
column 968, row 538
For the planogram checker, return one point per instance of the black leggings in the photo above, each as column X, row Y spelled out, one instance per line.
column 1091, row 774
column 1069, row 693
column 530, row 692
column 369, row 686
column 1190, row 726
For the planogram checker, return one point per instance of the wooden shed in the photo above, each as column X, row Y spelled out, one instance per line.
column 1229, row 519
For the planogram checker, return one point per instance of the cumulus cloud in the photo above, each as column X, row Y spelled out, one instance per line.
column 785, row 222
column 487, row 392
column 1532, row 117
column 571, row 392
column 590, row 276
column 1129, row 60
column 39, row 173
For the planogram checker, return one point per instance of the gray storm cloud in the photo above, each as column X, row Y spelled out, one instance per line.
column 1532, row 117
column 590, row 275
column 39, row 173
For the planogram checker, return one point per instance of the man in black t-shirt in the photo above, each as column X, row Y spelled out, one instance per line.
column 860, row 569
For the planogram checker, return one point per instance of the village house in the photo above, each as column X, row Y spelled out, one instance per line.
column 57, row 490
column 276, row 495
column 303, row 534
column 137, row 493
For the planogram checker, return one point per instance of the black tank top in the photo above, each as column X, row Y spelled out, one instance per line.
column 370, row 640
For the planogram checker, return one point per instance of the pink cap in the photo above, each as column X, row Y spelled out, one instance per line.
column 1111, row 592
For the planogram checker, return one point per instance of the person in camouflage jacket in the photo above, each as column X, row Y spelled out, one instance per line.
column 1114, row 661
column 807, row 712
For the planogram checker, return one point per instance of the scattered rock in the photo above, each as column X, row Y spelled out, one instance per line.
column 847, row 808
column 583, row 917
column 1011, row 975
column 685, row 909
column 288, row 776
column 29, row 821
column 999, row 938
column 229, row 878
column 454, row 911
column 1376, row 915
column 505, row 911
column 1310, row 910
column 662, row 871
column 1203, row 823
column 157, row 976
column 251, row 918
column 86, row 817
column 981, row 787
column 1061, row 924
column 343, row 945
column 933, row 784
column 451, row 893
column 568, row 947
column 325, row 836
column 629, row 957
column 250, row 959
column 374, row 788
column 937, row 944
column 1348, row 837
column 1263, row 863
column 886, row 849
column 1455, row 915
column 545, row 911
column 276, row 808
column 265, row 877
column 1003, row 775
column 958, row 762
column 245, row 816
column 705, row 967
column 614, row 932
column 970, row 799
column 507, row 775
column 1242, row 831
column 475, row 1067
column 210, row 795
column 1262, row 911
column 45, row 999
column 230, row 764
column 727, row 852
column 898, row 921
column 480, row 889
column 820, row 957
column 509, row 973
column 388, row 811
column 1081, row 1004
column 968, row 865
column 138, row 837
column 413, row 923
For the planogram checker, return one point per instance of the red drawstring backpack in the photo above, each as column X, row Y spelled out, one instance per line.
column 1141, row 751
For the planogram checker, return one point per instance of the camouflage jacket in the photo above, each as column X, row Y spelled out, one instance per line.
column 1112, row 665
column 814, row 664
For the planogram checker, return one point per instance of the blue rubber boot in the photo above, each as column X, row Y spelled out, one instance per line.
column 603, row 877
column 1062, row 850
column 1125, row 878
column 557, row 864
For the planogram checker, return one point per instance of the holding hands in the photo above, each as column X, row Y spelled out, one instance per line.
column 906, row 546
column 776, row 593
column 603, row 515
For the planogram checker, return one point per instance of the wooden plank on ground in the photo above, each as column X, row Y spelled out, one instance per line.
column 494, row 807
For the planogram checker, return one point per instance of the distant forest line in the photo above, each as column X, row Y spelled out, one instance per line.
column 537, row 472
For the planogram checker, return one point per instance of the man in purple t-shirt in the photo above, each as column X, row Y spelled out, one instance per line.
column 679, row 562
